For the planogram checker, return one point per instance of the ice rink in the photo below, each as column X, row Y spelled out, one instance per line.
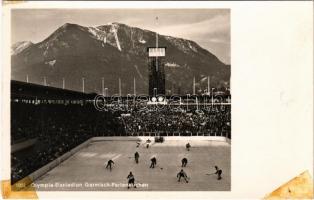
column 86, row 171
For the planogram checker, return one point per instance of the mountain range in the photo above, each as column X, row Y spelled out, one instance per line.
column 114, row 51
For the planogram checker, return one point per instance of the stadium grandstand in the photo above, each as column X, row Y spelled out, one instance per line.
column 48, row 122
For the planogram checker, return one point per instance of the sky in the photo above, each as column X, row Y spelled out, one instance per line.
column 210, row 28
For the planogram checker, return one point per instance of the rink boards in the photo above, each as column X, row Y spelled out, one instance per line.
column 83, row 169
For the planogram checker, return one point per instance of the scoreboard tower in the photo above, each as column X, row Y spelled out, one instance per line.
column 156, row 70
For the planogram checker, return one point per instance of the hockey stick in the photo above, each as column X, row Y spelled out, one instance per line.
column 187, row 178
column 211, row 173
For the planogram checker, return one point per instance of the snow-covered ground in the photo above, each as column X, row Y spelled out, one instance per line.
column 86, row 170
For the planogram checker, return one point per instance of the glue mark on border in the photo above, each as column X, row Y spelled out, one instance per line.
column 300, row 187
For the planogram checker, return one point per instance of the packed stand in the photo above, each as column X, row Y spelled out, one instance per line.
column 57, row 129
column 215, row 121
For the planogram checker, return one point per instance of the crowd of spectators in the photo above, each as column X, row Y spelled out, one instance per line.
column 57, row 129
column 215, row 121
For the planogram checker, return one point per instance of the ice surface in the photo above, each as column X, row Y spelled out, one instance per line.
column 88, row 166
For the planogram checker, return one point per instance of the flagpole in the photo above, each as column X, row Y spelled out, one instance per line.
column 194, row 85
column 120, row 87
column 208, row 84
column 83, row 84
column 63, row 83
column 134, row 86
column 156, row 44
column 103, row 86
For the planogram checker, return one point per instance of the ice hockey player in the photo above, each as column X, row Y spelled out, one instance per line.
column 148, row 141
column 153, row 162
column 131, row 180
column 182, row 174
column 109, row 164
column 184, row 161
column 218, row 172
column 136, row 156
column 188, row 146
column 138, row 144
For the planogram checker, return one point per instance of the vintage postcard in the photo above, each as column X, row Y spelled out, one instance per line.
column 134, row 96
column 111, row 97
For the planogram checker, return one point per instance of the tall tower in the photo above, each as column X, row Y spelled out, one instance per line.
column 156, row 70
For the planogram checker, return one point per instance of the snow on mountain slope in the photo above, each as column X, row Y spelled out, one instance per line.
column 115, row 51
column 51, row 63
column 107, row 34
column 114, row 30
column 173, row 65
column 142, row 41
column 20, row 46
column 185, row 45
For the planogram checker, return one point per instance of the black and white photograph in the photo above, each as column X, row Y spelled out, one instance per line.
column 156, row 100
column 121, row 99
